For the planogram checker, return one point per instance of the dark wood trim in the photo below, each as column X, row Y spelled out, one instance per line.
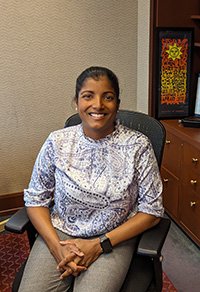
column 10, row 203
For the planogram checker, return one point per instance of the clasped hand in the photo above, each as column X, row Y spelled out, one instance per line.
column 81, row 253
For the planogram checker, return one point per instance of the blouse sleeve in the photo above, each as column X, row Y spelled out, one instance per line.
column 41, row 186
column 149, row 182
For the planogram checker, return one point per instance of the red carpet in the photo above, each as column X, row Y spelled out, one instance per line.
column 13, row 251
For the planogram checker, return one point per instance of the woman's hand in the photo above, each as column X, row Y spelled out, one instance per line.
column 90, row 247
column 68, row 253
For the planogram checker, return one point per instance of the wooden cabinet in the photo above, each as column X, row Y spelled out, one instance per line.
column 196, row 19
column 170, row 193
column 181, row 176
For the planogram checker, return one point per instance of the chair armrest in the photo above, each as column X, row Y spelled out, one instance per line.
column 18, row 222
column 152, row 240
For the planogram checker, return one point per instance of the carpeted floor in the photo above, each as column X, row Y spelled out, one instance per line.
column 181, row 260
column 14, row 249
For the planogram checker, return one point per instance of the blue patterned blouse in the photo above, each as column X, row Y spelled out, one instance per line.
column 96, row 184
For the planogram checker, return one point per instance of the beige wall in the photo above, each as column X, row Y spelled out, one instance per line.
column 143, row 55
column 43, row 46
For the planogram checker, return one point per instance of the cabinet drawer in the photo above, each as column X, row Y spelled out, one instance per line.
column 191, row 160
column 189, row 210
column 170, row 192
column 192, row 182
column 190, row 167
column 172, row 154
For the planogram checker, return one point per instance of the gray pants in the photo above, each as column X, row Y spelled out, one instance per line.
column 107, row 273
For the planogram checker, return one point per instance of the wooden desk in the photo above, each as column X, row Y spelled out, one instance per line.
column 180, row 172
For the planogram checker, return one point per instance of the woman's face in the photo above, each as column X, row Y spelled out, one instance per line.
column 97, row 105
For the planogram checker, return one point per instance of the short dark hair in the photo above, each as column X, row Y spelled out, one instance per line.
column 96, row 72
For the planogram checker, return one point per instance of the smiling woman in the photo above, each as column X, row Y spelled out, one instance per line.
column 97, row 101
column 105, row 184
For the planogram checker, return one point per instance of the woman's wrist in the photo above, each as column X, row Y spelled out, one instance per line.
column 55, row 250
column 98, row 245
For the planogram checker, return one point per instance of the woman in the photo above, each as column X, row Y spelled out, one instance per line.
column 106, row 187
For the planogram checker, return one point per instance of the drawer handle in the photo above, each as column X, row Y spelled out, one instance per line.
column 165, row 180
column 167, row 141
column 195, row 160
column 192, row 204
column 193, row 182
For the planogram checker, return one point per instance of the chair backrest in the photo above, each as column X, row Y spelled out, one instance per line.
column 141, row 122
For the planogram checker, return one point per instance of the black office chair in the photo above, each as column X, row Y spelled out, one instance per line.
column 145, row 272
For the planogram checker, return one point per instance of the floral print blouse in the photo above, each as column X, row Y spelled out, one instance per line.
column 96, row 185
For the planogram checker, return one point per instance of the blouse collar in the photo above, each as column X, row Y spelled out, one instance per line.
column 101, row 141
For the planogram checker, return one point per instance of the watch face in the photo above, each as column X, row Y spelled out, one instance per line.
column 105, row 244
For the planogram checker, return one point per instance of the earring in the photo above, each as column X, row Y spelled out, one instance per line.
column 76, row 108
